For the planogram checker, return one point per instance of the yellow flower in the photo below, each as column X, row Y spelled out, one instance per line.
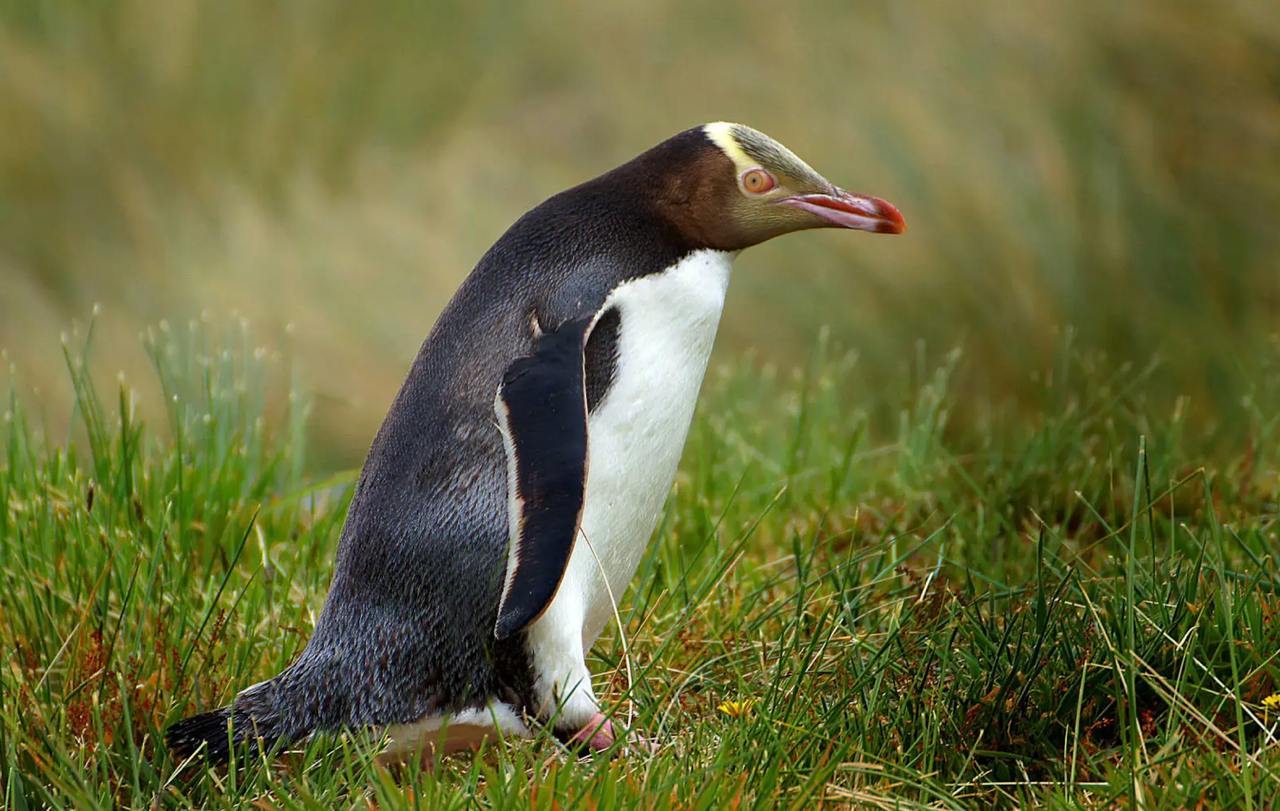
column 744, row 707
column 1272, row 701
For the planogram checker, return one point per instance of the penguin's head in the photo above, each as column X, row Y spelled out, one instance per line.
column 740, row 187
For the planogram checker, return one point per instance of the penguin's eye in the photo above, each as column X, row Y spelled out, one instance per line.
column 757, row 181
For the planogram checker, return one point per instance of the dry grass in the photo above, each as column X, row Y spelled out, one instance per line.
column 1039, row 571
column 1115, row 168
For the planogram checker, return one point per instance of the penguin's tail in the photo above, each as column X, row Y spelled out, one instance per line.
column 213, row 735
column 212, row 730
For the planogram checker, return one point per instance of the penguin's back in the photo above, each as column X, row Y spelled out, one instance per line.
column 407, row 627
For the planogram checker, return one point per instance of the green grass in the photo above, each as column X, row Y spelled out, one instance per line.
column 1031, row 573
column 1075, row 609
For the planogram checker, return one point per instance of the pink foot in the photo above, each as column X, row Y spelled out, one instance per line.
column 598, row 735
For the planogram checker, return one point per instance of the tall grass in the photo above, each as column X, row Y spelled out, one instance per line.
column 1110, row 167
column 1079, row 611
column 1038, row 570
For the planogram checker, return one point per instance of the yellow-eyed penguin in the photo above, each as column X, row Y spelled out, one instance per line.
column 528, row 454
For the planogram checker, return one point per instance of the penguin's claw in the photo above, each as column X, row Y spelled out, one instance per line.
column 642, row 745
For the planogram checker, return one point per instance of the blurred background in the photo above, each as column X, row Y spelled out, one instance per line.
column 331, row 170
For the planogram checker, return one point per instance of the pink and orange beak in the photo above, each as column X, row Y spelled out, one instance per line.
column 844, row 210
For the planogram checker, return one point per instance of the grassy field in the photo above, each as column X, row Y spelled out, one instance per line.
column 1076, row 610
column 1037, row 570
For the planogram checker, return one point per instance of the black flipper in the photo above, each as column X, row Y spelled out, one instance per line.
column 542, row 411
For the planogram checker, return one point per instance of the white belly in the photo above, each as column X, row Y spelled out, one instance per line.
column 637, row 432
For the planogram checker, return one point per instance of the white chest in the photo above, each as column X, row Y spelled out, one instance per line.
column 637, row 432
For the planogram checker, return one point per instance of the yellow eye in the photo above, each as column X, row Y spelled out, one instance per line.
column 757, row 181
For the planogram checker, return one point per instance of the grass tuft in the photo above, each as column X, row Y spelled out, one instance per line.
column 1075, row 609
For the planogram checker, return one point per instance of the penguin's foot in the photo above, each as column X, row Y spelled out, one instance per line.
column 599, row 735
column 436, row 735
column 596, row 736
column 429, row 749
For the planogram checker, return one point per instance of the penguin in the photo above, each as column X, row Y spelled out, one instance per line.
column 514, row 485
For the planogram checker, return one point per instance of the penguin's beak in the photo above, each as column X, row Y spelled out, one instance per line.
column 840, row 209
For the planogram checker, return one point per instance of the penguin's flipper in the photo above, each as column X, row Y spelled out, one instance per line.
column 542, row 412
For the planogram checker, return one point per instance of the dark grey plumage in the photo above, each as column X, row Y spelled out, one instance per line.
column 407, row 627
